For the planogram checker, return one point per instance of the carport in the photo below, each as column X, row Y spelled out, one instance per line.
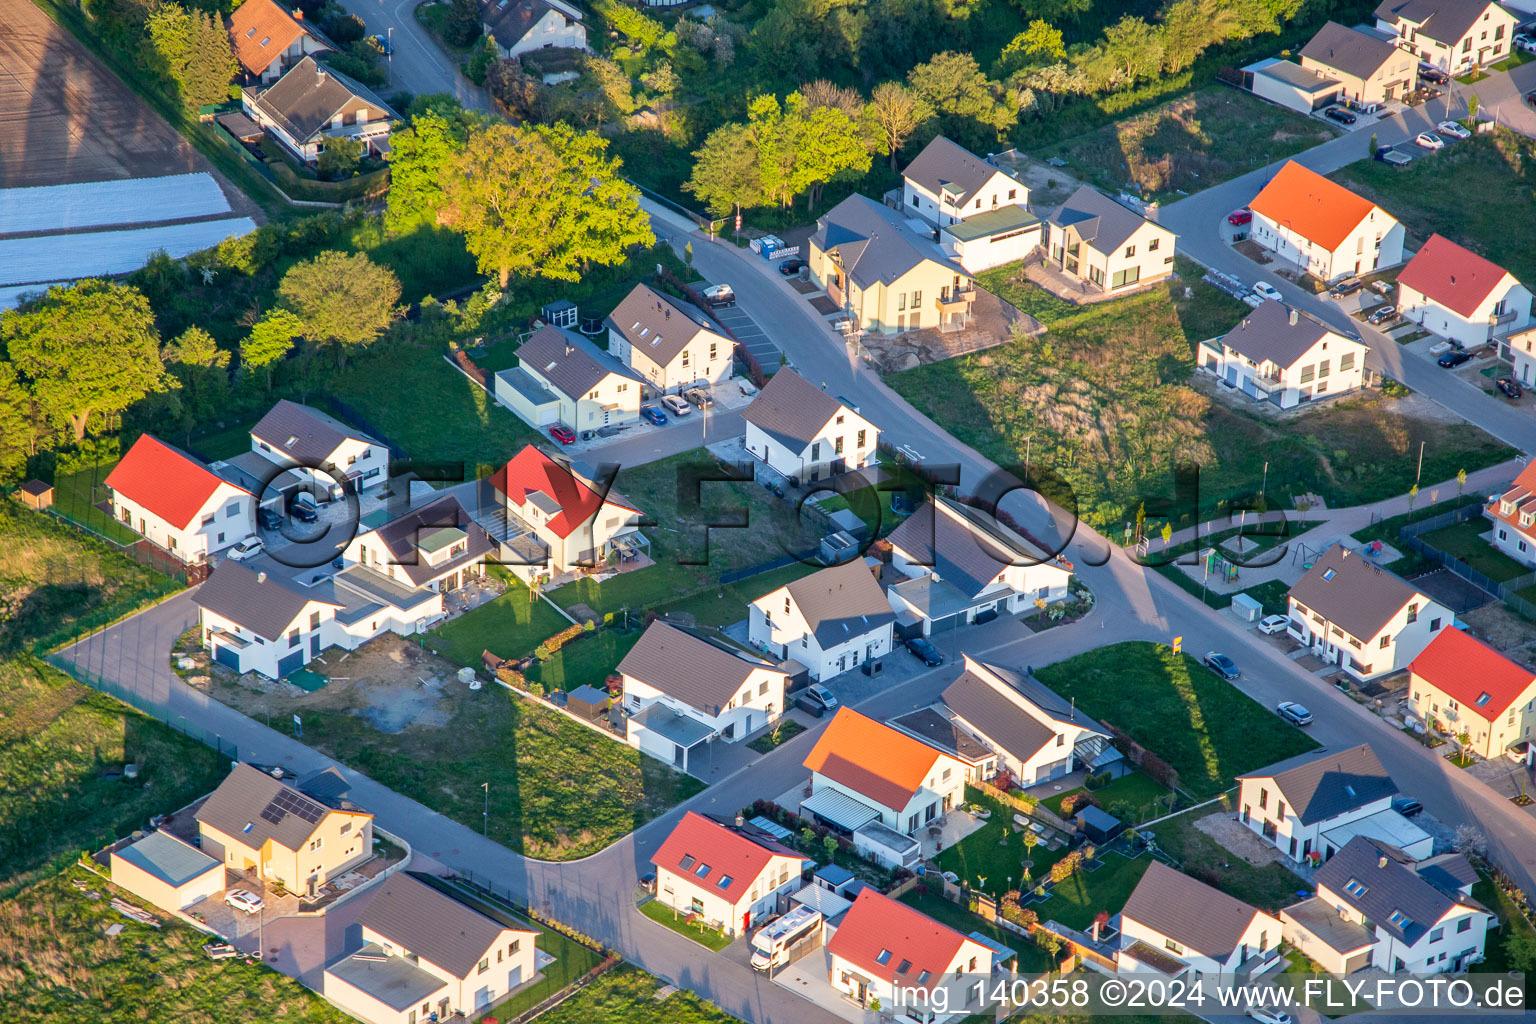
column 839, row 810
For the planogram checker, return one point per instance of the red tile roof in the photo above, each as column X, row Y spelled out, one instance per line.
column 164, row 480
column 1522, row 493
column 872, row 758
column 877, row 928
column 1471, row 673
column 1312, row 206
column 699, row 842
column 258, row 20
column 531, row 470
column 1458, row 279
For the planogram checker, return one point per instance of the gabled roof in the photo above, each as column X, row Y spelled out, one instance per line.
column 1521, row 494
column 508, row 21
column 871, row 758
column 165, row 480
column 874, row 243
column 1456, row 278
column 267, row 605
column 433, row 925
column 945, row 165
column 1303, row 201
column 303, row 433
column 1277, row 333
column 1358, row 596
column 1319, row 786
column 309, row 96
column 879, row 935
column 572, row 364
column 1349, row 50
column 721, row 861
column 1444, row 20
column 405, row 538
column 253, row 807
column 1379, row 881
column 840, row 603
column 966, row 547
column 792, row 410
column 571, row 500
column 1471, row 673
column 987, row 696
column 260, row 31
column 1191, row 913
column 699, row 673
column 1098, row 219
column 659, row 325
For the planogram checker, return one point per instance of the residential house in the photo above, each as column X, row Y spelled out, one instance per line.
column 728, row 877
column 1310, row 806
column 304, row 439
column 437, row 547
column 1457, row 294
column 1321, row 228
column 166, row 871
column 1356, row 615
column 268, row 39
column 1514, row 518
column 563, row 378
column 427, row 956
column 516, row 27
column 1467, row 687
column 1174, row 925
column 963, row 565
column 1290, row 85
column 173, row 501
column 1378, row 907
column 1520, row 346
column 311, row 105
column 267, row 830
column 887, row 276
column 552, row 518
column 804, row 434
column 1371, row 69
column 1036, row 734
column 890, row 955
column 682, row 691
column 1453, row 35
column 864, row 771
column 980, row 211
column 670, row 343
column 939, row 727
column 1104, row 246
column 1280, row 355
column 831, row 621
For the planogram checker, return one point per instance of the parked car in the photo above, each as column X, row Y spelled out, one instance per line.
column 1523, row 43
column 791, row 267
column 268, row 519
column 303, row 510
column 382, row 42
column 1271, row 624
column 1294, row 713
column 1429, row 140
column 1344, row 288
column 1390, row 155
column 699, row 397
column 1222, row 666
column 248, row 548
column 1264, row 1016
column 1383, row 314
column 718, row 295
column 1519, row 751
column 1237, row 218
column 1430, row 73
column 651, row 414
column 565, row 435
column 1455, row 129
column 925, row 651
column 1265, row 290
column 821, row 695
column 1454, row 358
column 1340, row 115
column 244, row 899
column 1407, row 806
column 1509, row 387
column 676, row 406
column 1530, row 98
column 747, row 388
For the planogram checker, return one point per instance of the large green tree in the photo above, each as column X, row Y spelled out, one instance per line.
column 271, row 339
column 16, row 433
column 341, row 299
column 417, row 156
column 725, row 171
column 191, row 48
column 970, row 108
column 87, row 350
column 203, row 369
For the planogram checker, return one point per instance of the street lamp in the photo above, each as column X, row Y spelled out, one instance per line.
column 486, row 815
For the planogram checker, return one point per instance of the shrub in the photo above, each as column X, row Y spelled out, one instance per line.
column 1160, row 771
column 511, row 676
column 1070, row 805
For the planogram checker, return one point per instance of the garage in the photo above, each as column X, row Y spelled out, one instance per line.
column 166, row 871
column 227, row 656
column 291, row 662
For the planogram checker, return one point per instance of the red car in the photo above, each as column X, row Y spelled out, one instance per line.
column 562, row 434
column 1239, row 217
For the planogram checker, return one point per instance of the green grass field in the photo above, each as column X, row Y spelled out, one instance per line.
column 75, row 495
column 992, row 858
column 1467, row 542
column 586, row 660
column 627, row 995
column 1269, row 887
column 1208, row 730
column 710, row 938
column 1135, row 792
column 1078, row 900
column 1031, row 959
column 510, row 626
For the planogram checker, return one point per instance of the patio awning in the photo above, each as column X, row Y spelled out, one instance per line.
column 839, row 809
column 680, row 729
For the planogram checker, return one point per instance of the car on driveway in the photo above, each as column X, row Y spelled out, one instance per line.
column 1390, row 155
column 304, row 511
column 1454, row 358
column 821, row 697
column 1294, row 713
column 719, row 295
column 1428, row 140
column 1383, row 314
column 246, row 549
column 789, row 268
column 565, row 435
column 1340, row 115
column 1430, row 73
column 1345, row 288
column 1267, row 1016
column 1407, row 806
column 1523, row 43
column 925, row 652
column 1237, row 218
column 1509, row 387
column 1222, row 666
column 244, row 900
column 1271, row 624
column 268, row 519
column 1265, row 290
column 1455, row 129
column 699, row 397
column 1518, row 752
column 653, row 415
column 1530, row 98
column 748, row 389
column 676, row 406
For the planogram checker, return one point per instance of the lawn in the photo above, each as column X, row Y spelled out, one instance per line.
column 991, row 858
column 1188, row 144
column 1268, row 888
column 1207, row 730
column 710, row 938
column 60, row 967
column 786, row 730
column 511, row 626
column 1468, row 543
column 1386, row 530
column 1078, row 900
column 1511, row 947
column 75, row 496
column 627, row 995
column 1133, row 798
column 1031, row 958
column 588, row 659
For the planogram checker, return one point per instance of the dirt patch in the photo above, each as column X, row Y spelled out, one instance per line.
column 1502, row 629
column 1231, row 835
column 1254, row 251
column 993, row 322
column 583, row 613
column 1048, row 185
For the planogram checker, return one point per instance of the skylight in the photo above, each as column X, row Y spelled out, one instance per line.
column 884, row 957
column 922, row 979
column 687, row 861
column 1354, row 888
column 701, row 870
column 266, row 40
column 251, row 33
column 248, row 826
column 1400, row 919
column 1329, row 574
column 725, row 882
column 1483, row 700
column 904, row 967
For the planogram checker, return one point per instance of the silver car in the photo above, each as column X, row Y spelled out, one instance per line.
column 244, row 899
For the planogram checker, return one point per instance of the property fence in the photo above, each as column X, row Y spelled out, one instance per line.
column 227, row 748
column 1508, row 591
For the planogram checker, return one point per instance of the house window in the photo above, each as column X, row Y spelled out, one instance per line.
column 1346, row 362
column 1130, row 251
column 485, row 965
column 293, row 637
column 1153, row 244
column 1173, row 947
column 315, row 844
column 901, row 301
column 861, row 440
column 1465, row 924
column 346, row 827
column 1306, row 374
column 314, row 620
column 917, row 299
column 815, row 450
column 514, row 946
column 762, row 688
column 1386, row 642
column 232, row 510
column 1437, row 935
column 1013, row 193
column 1322, row 368
column 837, row 446
column 208, row 520
column 1413, row 612
column 1263, row 799
column 714, row 350
column 1434, row 625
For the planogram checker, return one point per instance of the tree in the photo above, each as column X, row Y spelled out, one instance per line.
column 271, row 339
column 191, row 48
column 87, row 350
column 822, row 93
column 1461, row 481
column 725, row 171
column 340, row 158
column 461, row 25
column 16, row 433
column 201, row 366
column 1373, row 143
column 966, row 102
column 896, row 111
column 1039, row 43
column 1472, row 104
column 417, row 156
column 340, row 298
column 543, row 200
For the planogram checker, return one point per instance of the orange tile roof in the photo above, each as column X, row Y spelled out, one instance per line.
column 1471, row 673
column 1458, row 279
column 260, row 30
column 1521, row 491
column 877, row 928
column 698, row 843
column 1312, row 206
column 164, row 480
column 872, row 758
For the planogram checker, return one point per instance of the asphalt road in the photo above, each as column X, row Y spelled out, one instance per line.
column 418, row 65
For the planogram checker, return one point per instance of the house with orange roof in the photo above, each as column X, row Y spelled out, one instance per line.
column 177, row 503
column 1319, row 227
column 268, row 39
column 728, row 877
column 863, row 771
column 1468, row 687
column 1514, row 518
column 1459, row 295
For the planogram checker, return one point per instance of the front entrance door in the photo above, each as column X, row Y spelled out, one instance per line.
column 314, row 645
column 746, row 920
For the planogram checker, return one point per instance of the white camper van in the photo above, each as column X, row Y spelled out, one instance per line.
column 771, row 946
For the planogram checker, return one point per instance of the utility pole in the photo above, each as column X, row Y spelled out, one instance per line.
column 1419, row 473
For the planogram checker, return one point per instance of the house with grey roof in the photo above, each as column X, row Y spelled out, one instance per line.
column 685, row 688
column 1453, row 35
column 1378, row 907
column 562, row 378
column 1178, row 927
column 516, row 27
column 1036, row 735
column 1370, row 67
column 888, row 275
column 964, row 565
column 318, row 449
column 1353, row 613
column 437, row 546
column 425, row 953
column 831, row 621
column 313, row 104
column 980, row 210
column 671, row 343
column 1312, row 805
column 800, row 433
column 1104, row 246
column 1280, row 355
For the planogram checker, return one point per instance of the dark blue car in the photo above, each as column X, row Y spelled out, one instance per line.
column 925, row 651
column 653, row 415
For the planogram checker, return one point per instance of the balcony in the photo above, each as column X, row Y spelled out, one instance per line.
column 956, row 302
column 1495, row 319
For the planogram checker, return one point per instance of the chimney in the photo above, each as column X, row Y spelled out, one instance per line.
column 740, row 821
column 261, row 577
column 1293, row 318
column 298, row 14
column 1093, row 930
column 1453, row 279
column 1381, row 861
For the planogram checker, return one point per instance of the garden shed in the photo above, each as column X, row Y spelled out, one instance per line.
column 587, row 702
column 1098, row 824
column 1247, row 608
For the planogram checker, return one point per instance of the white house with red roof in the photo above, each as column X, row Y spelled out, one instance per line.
column 916, row 968
column 863, row 770
column 1459, row 295
column 176, row 503
column 1322, row 228
column 1466, row 686
column 1514, row 518
column 728, row 877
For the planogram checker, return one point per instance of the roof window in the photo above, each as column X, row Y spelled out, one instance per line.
column 884, row 957
column 1329, row 574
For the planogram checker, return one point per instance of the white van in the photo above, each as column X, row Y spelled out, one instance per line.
column 771, row 946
